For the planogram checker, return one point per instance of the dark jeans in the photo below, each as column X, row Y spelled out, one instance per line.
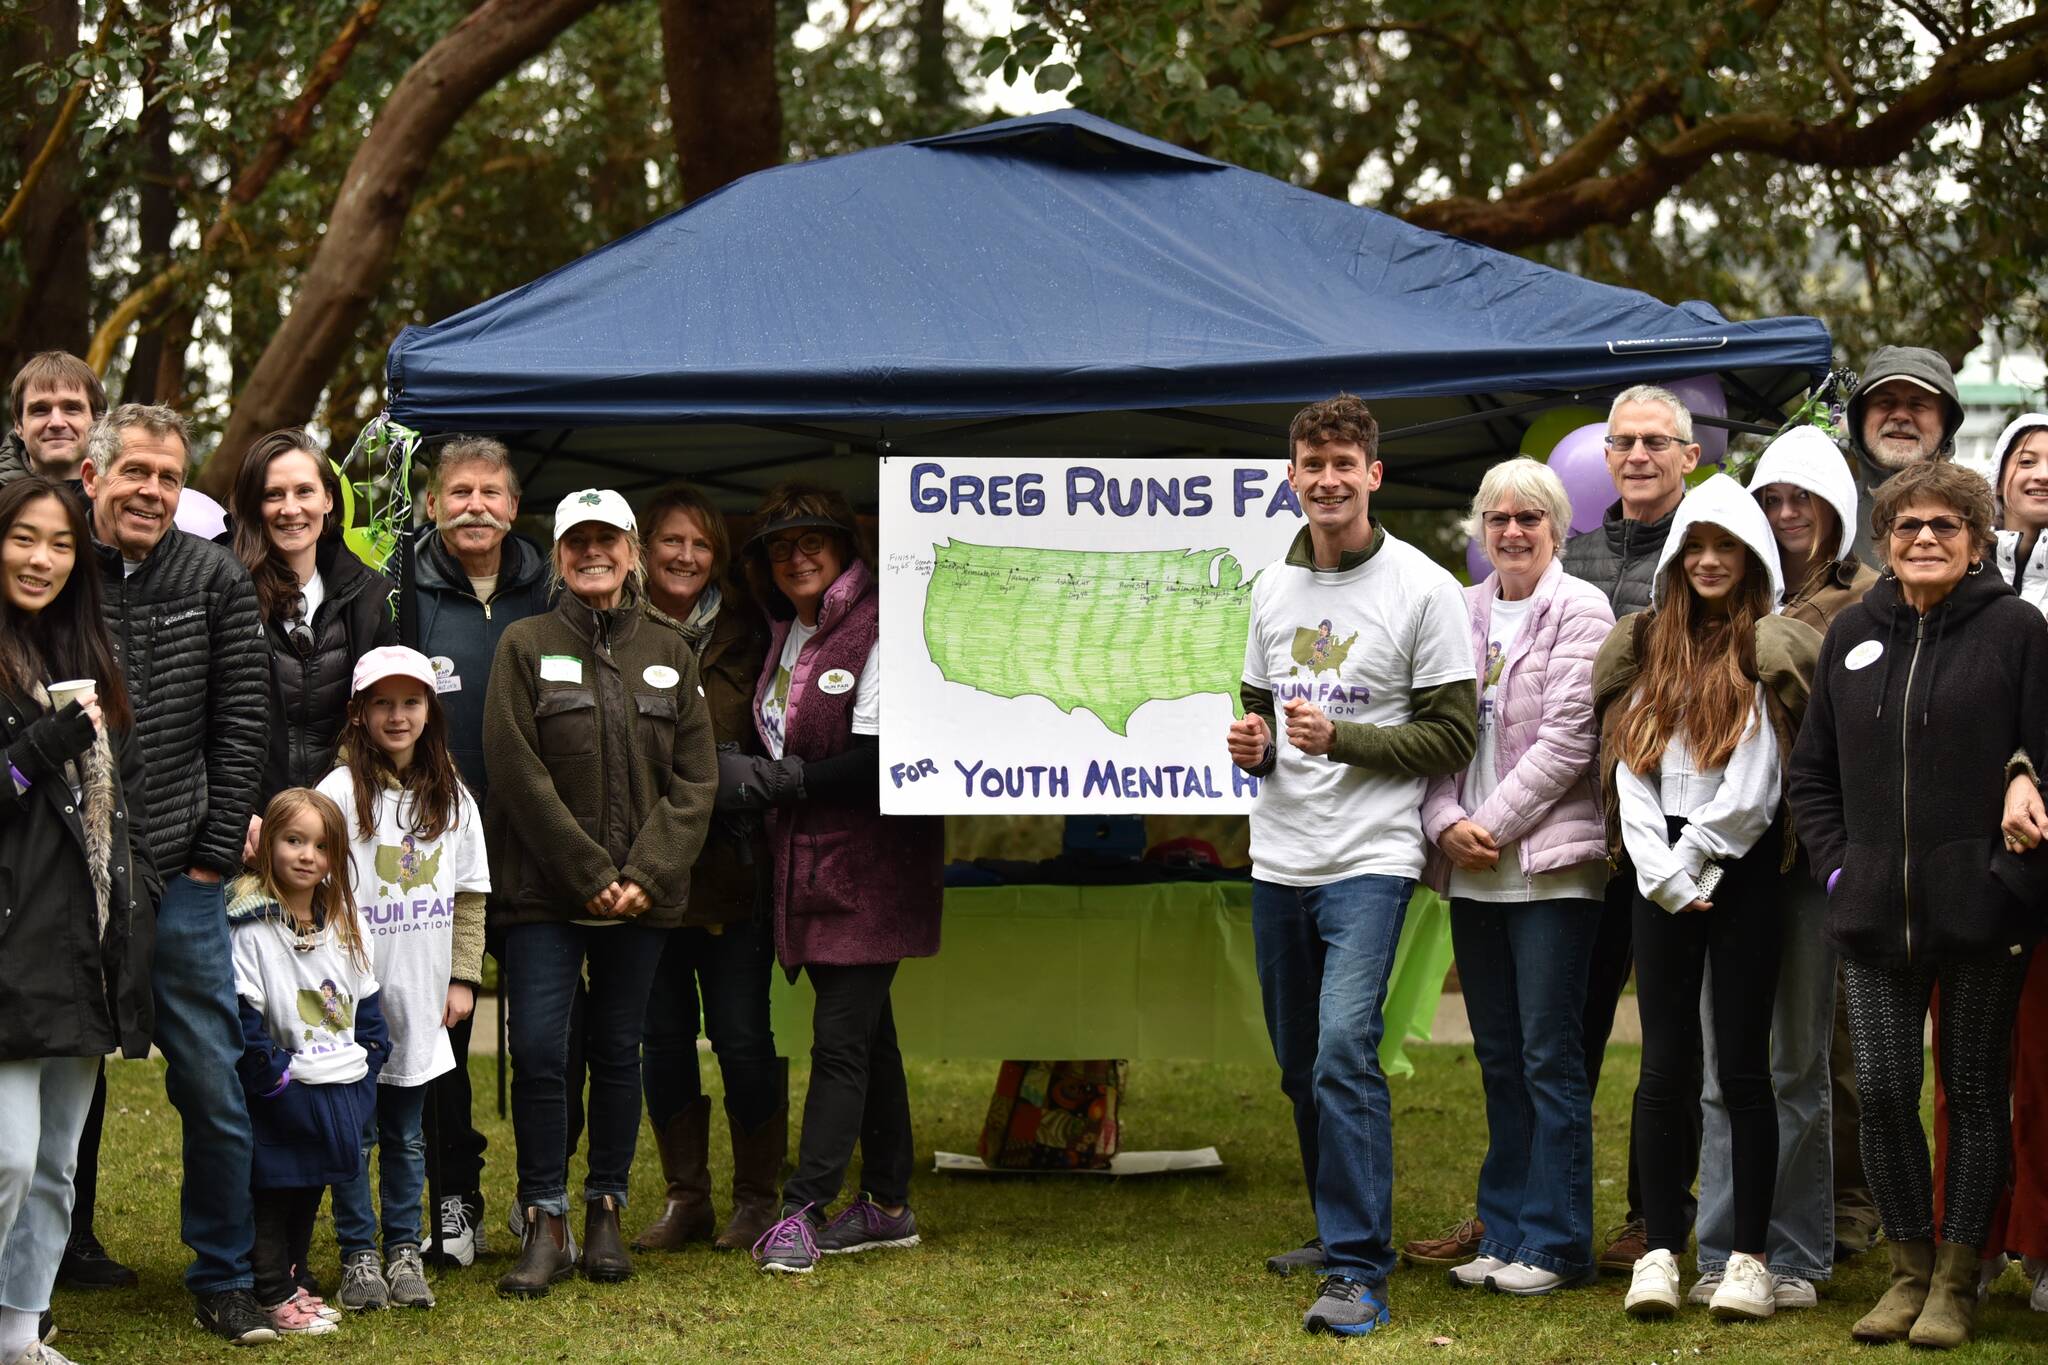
column 199, row 1031
column 1606, row 978
column 1742, row 937
column 1523, row 969
column 284, row 1229
column 1324, row 955
column 729, row 972
column 543, row 967
column 858, row 1092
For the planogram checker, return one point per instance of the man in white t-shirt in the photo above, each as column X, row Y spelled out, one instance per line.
column 1362, row 642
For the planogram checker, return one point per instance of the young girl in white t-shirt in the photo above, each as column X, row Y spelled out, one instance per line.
column 417, row 852
column 313, row 1039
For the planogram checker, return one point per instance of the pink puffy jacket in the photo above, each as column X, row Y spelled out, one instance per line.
column 1546, row 743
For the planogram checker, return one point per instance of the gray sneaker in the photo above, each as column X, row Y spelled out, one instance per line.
column 407, row 1279
column 1346, row 1307
column 1308, row 1256
column 862, row 1226
column 362, row 1284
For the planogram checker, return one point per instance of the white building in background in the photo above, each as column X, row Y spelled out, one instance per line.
column 1996, row 385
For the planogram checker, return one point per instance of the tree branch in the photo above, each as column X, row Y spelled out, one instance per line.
column 60, row 132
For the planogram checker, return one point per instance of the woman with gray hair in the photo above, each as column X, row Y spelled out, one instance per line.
column 1521, row 852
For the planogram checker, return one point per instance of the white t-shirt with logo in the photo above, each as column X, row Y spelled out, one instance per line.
column 307, row 990
column 405, row 901
column 1359, row 643
column 867, row 701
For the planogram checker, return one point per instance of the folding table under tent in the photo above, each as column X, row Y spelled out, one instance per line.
column 1049, row 285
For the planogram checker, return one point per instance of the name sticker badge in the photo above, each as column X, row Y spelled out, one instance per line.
column 1863, row 656
column 564, row 668
column 445, row 677
column 661, row 675
column 835, row 681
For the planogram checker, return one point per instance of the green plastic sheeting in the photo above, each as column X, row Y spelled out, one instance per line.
column 1145, row 973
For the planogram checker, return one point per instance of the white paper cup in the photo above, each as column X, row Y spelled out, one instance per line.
column 64, row 693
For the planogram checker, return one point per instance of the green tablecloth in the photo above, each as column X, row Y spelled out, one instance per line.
column 1138, row 972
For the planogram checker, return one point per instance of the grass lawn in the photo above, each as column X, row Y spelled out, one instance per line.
column 1015, row 1269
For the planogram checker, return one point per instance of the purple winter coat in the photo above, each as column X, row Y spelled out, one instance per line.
column 852, row 886
column 1546, row 744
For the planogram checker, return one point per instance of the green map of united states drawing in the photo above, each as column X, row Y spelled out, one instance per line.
column 1097, row 630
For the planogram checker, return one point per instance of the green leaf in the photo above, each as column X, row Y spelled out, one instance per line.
column 1054, row 77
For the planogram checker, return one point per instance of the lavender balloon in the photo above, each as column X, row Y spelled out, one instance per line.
column 1580, row 460
column 1475, row 560
column 1702, row 395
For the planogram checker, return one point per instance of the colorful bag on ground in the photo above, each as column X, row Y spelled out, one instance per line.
column 1053, row 1116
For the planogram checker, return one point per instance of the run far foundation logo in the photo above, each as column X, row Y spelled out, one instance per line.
column 1317, row 650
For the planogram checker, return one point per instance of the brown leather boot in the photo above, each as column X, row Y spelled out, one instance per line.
column 545, row 1255
column 687, row 1215
column 1894, row 1314
column 604, row 1253
column 756, row 1178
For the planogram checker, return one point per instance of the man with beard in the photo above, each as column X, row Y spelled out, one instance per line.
column 1905, row 410
column 472, row 579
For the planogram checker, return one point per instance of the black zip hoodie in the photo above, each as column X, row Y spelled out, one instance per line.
column 1897, row 776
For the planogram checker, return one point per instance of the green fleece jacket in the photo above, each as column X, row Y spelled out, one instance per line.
column 602, row 768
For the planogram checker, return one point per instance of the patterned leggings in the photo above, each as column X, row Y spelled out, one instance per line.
column 1887, row 1011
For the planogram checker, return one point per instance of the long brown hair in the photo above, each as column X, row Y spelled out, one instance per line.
column 276, row 584
column 1694, row 671
column 335, row 897
column 430, row 780
column 68, row 638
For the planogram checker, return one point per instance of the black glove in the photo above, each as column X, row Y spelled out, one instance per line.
column 748, row 782
column 46, row 746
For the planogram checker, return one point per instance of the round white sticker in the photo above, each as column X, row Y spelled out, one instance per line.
column 1863, row 656
column 443, row 665
column 835, row 681
column 661, row 675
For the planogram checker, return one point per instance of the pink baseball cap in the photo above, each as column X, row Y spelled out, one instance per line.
column 393, row 661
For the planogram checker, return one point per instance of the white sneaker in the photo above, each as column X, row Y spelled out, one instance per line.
column 2038, row 1271
column 1789, row 1291
column 1653, row 1286
column 1745, row 1292
column 1702, row 1291
column 1525, row 1280
column 1473, row 1273
column 1988, row 1273
column 458, row 1238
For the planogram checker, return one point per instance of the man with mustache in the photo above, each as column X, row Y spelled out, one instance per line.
column 1904, row 410
column 472, row 579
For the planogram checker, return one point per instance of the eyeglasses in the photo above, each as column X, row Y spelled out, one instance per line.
column 1498, row 521
column 1656, row 445
column 1944, row 528
column 810, row 542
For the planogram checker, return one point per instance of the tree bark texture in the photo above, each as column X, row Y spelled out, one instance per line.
column 54, row 311
column 724, row 98
column 370, row 210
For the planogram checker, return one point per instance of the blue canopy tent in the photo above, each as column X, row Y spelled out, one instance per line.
column 1044, row 285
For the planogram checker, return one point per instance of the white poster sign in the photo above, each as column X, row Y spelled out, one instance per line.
column 1068, row 635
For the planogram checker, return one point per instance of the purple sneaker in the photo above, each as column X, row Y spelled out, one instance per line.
column 791, row 1246
column 862, row 1226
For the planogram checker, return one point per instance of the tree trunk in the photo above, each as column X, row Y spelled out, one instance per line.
column 54, row 309
column 723, row 96
column 370, row 211
column 931, row 75
column 156, row 218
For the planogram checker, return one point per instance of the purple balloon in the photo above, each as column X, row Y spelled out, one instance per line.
column 1475, row 560
column 200, row 515
column 1580, row 460
column 1702, row 395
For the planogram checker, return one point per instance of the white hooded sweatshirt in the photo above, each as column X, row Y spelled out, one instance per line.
column 1728, row 808
column 1806, row 457
column 2033, row 585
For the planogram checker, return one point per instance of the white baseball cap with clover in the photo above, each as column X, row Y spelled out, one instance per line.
column 593, row 504
column 392, row 661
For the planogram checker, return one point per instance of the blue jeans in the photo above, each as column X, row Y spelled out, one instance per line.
column 1324, row 956
column 42, row 1111
column 729, row 971
column 1802, row 1236
column 199, row 1031
column 543, row 965
column 394, row 1131
column 1523, row 968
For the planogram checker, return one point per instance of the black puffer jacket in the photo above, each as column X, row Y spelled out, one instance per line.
column 191, row 647
column 309, row 691
column 68, row 993
column 1619, row 557
column 13, row 458
column 1897, row 777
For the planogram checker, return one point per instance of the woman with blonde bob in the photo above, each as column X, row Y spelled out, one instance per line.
column 1519, row 851
column 1703, row 693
